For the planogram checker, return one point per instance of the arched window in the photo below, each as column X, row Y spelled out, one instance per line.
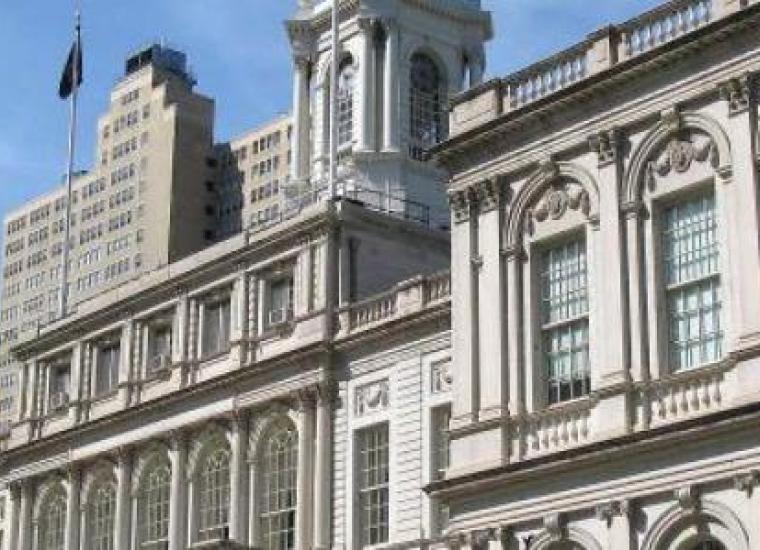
column 154, row 505
column 278, row 506
column 565, row 545
column 102, row 516
column 214, row 495
column 53, row 522
column 346, row 84
column 426, row 106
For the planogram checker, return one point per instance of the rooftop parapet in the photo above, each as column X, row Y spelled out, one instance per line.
column 600, row 51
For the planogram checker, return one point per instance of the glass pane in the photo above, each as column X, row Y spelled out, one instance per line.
column 374, row 484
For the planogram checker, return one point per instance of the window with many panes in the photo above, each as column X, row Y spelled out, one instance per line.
column 102, row 517
column 278, row 506
column 565, row 322
column 426, row 99
column 53, row 522
column 441, row 442
column 216, row 326
column 374, row 484
column 692, row 283
column 346, row 102
column 107, row 368
column 154, row 505
column 214, row 495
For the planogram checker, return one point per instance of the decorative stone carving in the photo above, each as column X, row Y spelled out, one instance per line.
column 606, row 145
column 441, row 377
column 489, row 193
column 688, row 497
column 555, row 526
column 460, row 205
column 371, row 397
column 679, row 156
column 607, row 511
column 747, row 482
column 737, row 92
column 556, row 201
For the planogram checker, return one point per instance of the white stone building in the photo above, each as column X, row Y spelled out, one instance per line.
column 606, row 292
column 277, row 389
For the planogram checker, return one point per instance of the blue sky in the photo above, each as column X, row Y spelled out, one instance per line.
column 237, row 49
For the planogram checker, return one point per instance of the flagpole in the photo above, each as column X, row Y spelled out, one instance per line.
column 334, row 101
column 64, row 294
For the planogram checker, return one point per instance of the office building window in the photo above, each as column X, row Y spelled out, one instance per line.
column 214, row 495
column 107, row 368
column 692, row 283
column 103, row 517
column 278, row 507
column 374, row 484
column 564, row 321
column 216, row 326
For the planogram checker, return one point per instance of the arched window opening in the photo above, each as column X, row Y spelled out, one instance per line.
column 565, row 545
column 426, row 106
column 346, row 84
column 154, row 505
column 53, row 523
column 214, row 496
column 103, row 517
column 278, row 507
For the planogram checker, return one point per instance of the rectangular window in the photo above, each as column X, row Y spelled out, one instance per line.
column 216, row 327
column 60, row 384
column 564, row 321
column 159, row 346
column 280, row 301
column 374, row 484
column 692, row 283
column 107, row 375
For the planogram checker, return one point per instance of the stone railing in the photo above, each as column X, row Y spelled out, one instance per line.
column 555, row 429
column 547, row 77
column 437, row 287
column 372, row 311
column 599, row 52
column 681, row 396
column 664, row 24
column 406, row 298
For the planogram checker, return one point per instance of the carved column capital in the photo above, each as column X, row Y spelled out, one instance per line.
column 737, row 92
column 607, row 511
column 491, row 193
column 606, row 144
column 555, row 525
column 688, row 497
column 462, row 203
column 306, row 399
column 747, row 482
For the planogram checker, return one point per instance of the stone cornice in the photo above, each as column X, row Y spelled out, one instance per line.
column 486, row 141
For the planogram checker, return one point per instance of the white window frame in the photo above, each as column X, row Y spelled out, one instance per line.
column 360, row 491
column 223, row 342
column 154, row 506
column 549, row 329
column 271, row 535
column 113, row 372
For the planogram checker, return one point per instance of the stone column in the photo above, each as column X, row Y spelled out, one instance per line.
column 742, row 218
column 180, row 329
column 239, row 314
column 238, row 481
column 14, row 492
column 125, row 363
column 749, row 484
column 253, row 499
column 301, row 100
column 123, row 507
column 323, row 468
column 305, row 472
column 492, row 349
column 366, row 92
column 24, row 533
column 464, row 287
column 616, row 517
column 609, row 365
column 178, row 502
column 73, row 487
column 636, row 304
column 390, row 94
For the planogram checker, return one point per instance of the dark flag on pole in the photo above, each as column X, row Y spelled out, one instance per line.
column 73, row 70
